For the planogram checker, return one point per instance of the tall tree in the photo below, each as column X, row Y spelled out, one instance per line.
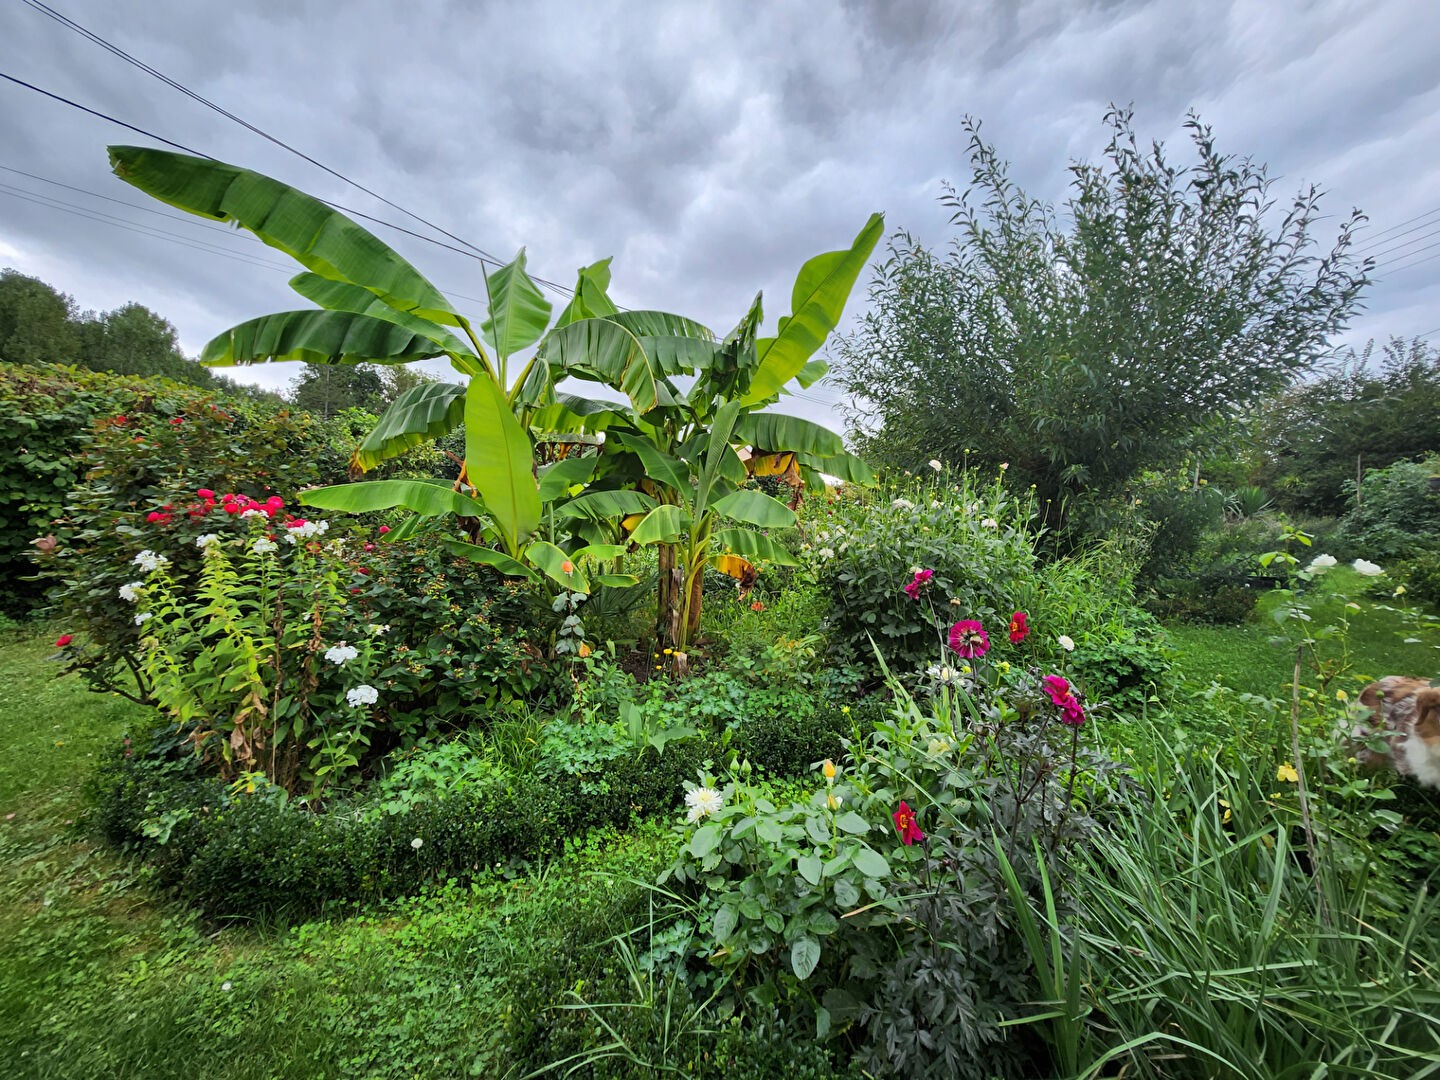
column 1083, row 351
column 37, row 323
column 326, row 389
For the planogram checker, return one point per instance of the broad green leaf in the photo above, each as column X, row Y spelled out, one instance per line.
column 754, row 508
column 871, row 863
column 811, row 373
column 664, row 524
column 676, row 345
column 342, row 296
column 557, row 479
column 817, row 302
column 726, row 919
column 804, row 956
column 417, row 495
column 717, row 446
column 661, row 324
column 811, row 868
column 616, row 581
column 419, row 415
column 599, row 551
column 605, row 505
column 768, row 431
column 320, row 238
column 843, row 466
column 519, row 311
column 852, row 823
column 490, row 557
column 591, row 300
column 752, row 546
column 603, row 350
column 552, row 561
column 705, row 840
column 659, row 466
column 319, row 337
column 498, row 462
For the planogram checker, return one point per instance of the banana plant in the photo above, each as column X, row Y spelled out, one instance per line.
column 375, row 307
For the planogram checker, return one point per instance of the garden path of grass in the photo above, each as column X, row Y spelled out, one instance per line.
column 99, row 977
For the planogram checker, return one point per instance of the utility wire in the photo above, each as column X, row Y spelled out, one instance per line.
column 1390, row 250
column 554, row 287
column 90, row 35
column 1372, row 239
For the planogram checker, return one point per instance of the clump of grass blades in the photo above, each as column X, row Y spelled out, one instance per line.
column 1198, row 948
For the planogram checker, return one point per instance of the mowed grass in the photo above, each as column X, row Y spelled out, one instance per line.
column 1250, row 659
column 102, row 977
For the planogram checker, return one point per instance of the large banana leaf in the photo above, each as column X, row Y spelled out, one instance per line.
column 417, row 495
column 773, row 431
column 341, row 296
column 817, row 302
column 604, row 350
column 320, row 337
column 557, row 479
column 419, row 415
column 664, row 524
column 552, row 562
column 499, row 463
column 676, row 345
column 519, row 311
column 754, row 508
column 605, row 505
column 490, row 557
column 843, row 466
column 591, row 300
column 659, row 466
column 319, row 237
column 752, row 545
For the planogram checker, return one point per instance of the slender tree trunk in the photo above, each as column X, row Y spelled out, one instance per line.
column 670, row 598
column 692, row 626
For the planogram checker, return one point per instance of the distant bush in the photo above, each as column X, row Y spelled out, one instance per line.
column 1398, row 513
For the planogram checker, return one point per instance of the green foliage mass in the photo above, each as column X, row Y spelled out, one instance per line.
column 1084, row 351
column 1398, row 513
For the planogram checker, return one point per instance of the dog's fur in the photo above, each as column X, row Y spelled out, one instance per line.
column 1406, row 713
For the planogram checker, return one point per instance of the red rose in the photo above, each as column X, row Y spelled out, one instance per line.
column 63, row 640
column 205, row 493
column 384, row 529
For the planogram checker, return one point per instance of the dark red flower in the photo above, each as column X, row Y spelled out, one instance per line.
column 205, row 493
column 905, row 823
column 969, row 639
column 1071, row 712
column 63, row 640
column 176, row 421
column 234, row 507
column 122, row 420
column 1019, row 627
column 384, row 529
column 921, row 577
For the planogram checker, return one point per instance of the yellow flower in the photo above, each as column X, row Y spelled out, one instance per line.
column 828, row 769
column 669, row 652
column 1003, row 666
column 1287, row 773
column 1399, row 590
column 833, row 801
column 1341, row 695
column 845, row 709
column 1225, row 819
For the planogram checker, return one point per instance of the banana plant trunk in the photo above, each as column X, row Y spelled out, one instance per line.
column 670, row 601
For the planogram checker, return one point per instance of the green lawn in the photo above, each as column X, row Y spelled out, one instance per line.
column 99, row 977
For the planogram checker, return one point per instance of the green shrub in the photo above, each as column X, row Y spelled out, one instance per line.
column 1420, row 575
column 1399, row 514
column 868, row 544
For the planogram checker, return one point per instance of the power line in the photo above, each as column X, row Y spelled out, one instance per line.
column 1418, row 262
column 1389, row 250
column 1371, row 240
column 110, row 47
column 337, row 206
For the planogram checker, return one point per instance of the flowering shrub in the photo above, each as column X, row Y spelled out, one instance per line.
column 886, row 555
column 878, row 902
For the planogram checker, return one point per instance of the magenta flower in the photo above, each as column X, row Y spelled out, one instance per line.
column 906, row 825
column 969, row 640
column 1064, row 698
column 921, row 577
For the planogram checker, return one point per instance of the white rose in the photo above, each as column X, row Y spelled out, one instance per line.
column 1366, row 569
column 1066, row 643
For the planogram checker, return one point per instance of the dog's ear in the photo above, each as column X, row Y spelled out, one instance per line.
column 1370, row 696
column 1427, row 713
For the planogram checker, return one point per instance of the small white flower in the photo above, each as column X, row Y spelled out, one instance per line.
column 989, row 523
column 376, row 629
column 295, row 533
column 207, row 540
column 417, row 843
column 141, row 619
column 934, row 504
column 825, row 553
column 149, row 561
column 942, row 673
column 902, row 504
column 1366, row 569
column 362, row 695
column 935, row 464
column 1066, row 643
column 339, row 654
column 1321, row 563
column 131, row 591
column 264, row 546
column 703, row 802
column 252, row 513
column 226, row 986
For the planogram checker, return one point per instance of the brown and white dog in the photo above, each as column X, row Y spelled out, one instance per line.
column 1405, row 712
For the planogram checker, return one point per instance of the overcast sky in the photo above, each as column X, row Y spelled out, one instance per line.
column 709, row 147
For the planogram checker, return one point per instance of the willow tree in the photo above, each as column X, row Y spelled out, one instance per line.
column 1082, row 347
